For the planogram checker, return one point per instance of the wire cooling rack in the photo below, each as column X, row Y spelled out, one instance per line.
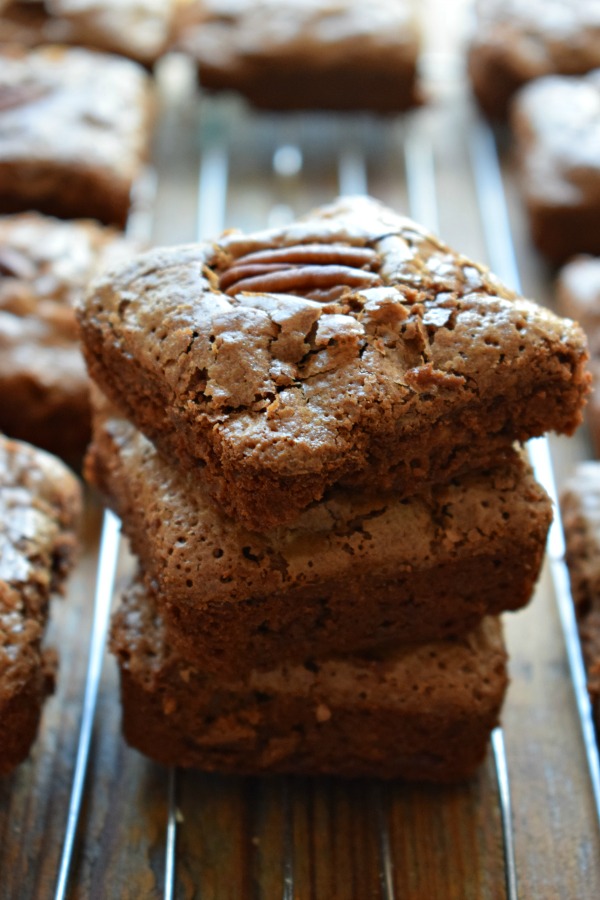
column 307, row 160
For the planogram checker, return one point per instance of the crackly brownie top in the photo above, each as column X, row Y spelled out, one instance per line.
column 537, row 37
column 557, row 125
column 40, row 504
column 290, row 343
column 223, row 31
column 73, row 107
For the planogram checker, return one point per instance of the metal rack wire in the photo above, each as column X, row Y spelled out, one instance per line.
column 420, row 173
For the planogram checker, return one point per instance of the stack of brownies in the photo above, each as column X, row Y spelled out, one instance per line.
column 309, row 435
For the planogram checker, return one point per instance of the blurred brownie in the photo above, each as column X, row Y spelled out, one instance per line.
column 580, row 505
column 516, row 41
column 305, row 54
column 354, row 571
column 421, row 712
column 39, row 509
column 578, row 293
column 138, row 29
column 351, row 345
column 74, row 132
column 45, row 265
column 556, row 122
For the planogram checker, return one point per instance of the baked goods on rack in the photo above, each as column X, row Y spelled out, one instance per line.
column 305, row 54
column 580, row 505
column 39, row 509
column 418, row 712
column 45, row 266
column 556, row 124
column 578, row 295
column 74, row 132
column 354, row 571
column 349, row 347
column 516, row 41
column 138, row 29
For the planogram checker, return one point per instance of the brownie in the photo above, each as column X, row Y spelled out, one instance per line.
column 138, row 29
column 516, row 41
column 420, row 712
column 45, row 265
column 74, row 132
column 305, row 54
column 354, row 571
column 39, row 509
column 556, row 122
column 578, row 294
column 580, row 505
column 350, row 346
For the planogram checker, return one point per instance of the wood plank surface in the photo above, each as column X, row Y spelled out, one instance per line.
column 309, row 839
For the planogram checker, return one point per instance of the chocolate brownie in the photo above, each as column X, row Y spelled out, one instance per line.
column 421, row 712
column 354, row 571
column 352, row 345
column 74, row 132
column 39, row 508
column 578, row 294
column 580, row 504
column 305, row 54
column 516, row 41
column 556, row 122
column 45, row 265
column 138, row 29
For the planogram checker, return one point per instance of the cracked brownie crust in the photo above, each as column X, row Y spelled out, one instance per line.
column 350, row 346
column 419, row 713
column 40, row 505
column 354, row 571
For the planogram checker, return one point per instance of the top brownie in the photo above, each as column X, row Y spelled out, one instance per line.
column 303, row 54
column 516, row 41
column 350, row 346
column 74, row 132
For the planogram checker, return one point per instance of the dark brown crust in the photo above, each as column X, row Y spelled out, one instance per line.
column 21, row 714
column 355, row 573
column 388, row 718
column 405, row 385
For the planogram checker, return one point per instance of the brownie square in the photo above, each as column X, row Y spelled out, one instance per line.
column 74, row 132
column 40, row 503
column 516, row 41
column 303, row 54
column 421, row 712
column 45, row 266
column 350, row 347
column 556, row 123
column 353, row 572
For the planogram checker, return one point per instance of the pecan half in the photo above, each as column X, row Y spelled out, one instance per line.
column 304, row 270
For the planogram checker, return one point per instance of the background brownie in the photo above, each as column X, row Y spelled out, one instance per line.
column 45, row 265
column 578, row 289
column 580, row 504
column 351, row 345
column 515, row 41
column 352, row 572
column 556, row 122
column 138, row 29
column 74, row 132
column 39, row 509
column 305, row 54
column 423, row 712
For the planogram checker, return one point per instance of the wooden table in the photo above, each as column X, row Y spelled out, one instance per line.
column 308, row 838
